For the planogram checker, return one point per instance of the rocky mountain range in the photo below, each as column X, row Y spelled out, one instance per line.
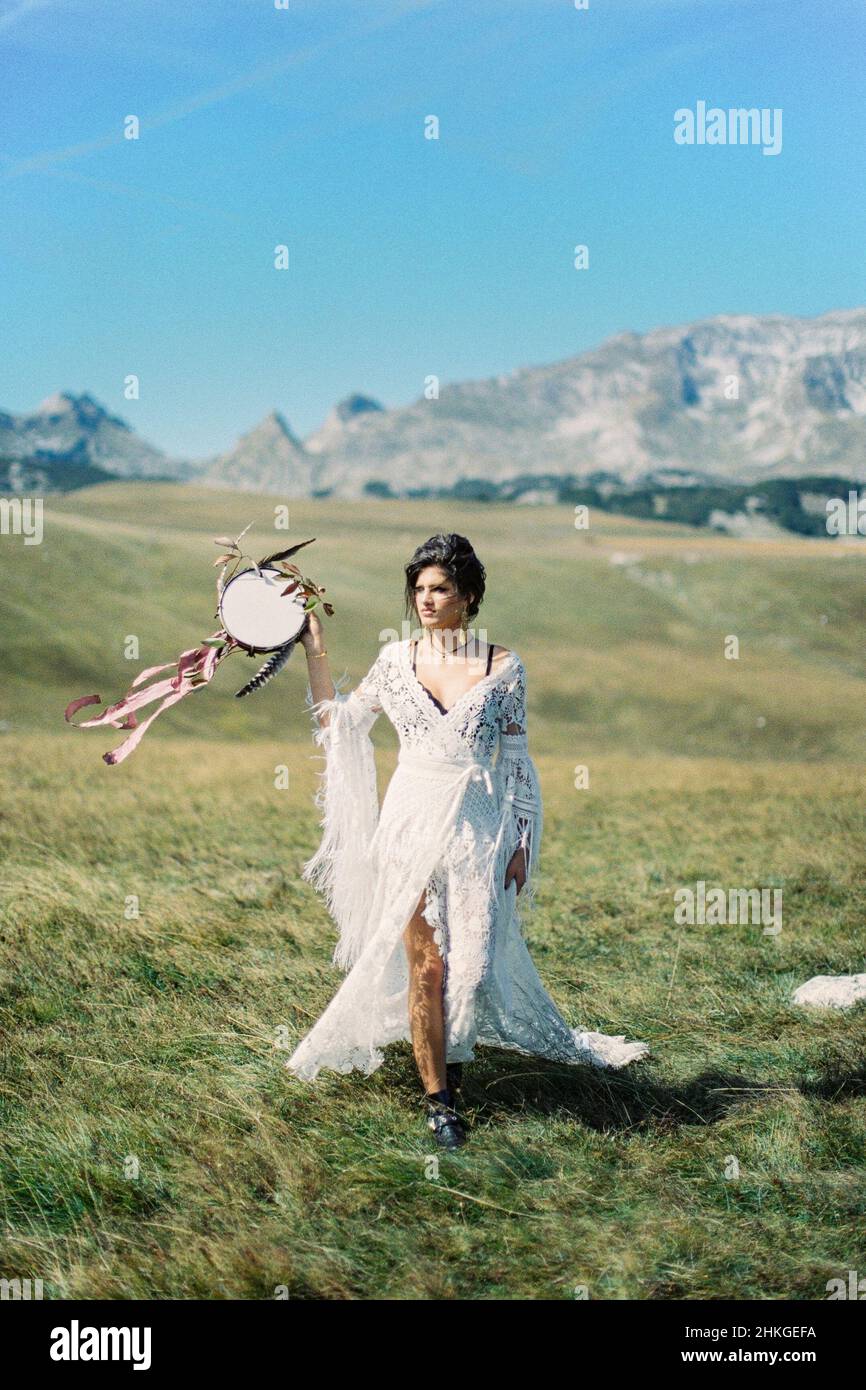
column 730, row 399
column 76, row 432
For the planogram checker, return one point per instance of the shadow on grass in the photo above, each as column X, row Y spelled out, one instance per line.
column 501, row 1084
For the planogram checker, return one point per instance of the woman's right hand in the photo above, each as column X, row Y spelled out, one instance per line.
column 314, row 635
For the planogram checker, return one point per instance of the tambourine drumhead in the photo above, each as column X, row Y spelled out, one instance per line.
column 255, row 614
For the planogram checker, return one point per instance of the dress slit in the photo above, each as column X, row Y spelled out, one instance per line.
column 439, row 840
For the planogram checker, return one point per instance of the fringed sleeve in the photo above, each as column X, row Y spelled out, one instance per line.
column 347, row 795
column 522, row 787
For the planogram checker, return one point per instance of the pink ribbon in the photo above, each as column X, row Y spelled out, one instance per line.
column 195, row 668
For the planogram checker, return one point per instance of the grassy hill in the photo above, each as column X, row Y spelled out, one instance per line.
column 152, row 1143
column 622, row 628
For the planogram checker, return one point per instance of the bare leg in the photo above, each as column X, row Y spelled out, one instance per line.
column 426, row 1007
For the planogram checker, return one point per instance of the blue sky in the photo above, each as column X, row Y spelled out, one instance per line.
column 407, row 256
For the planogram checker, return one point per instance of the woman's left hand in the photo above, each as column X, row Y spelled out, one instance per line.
column 516, row 869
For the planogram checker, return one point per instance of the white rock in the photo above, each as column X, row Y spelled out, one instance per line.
column 831, row 991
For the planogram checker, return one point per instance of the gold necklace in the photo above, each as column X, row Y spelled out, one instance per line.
column 442, row 654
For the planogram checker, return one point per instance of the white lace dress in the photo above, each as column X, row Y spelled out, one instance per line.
column 463, row 796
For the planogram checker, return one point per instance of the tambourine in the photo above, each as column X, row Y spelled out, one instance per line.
column 260, row 617
column 261, row 608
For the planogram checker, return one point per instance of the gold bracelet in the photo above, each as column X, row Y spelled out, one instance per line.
column 324, row 653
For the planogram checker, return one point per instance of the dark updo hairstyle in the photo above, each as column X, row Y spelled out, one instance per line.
column 455, row 555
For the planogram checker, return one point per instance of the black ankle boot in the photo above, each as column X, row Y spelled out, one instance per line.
column 454, row 1076
column 443, row 1119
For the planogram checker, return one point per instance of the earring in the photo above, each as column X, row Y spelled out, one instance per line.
column 464, row 621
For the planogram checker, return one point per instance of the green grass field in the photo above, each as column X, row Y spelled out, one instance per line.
column 153, row 1145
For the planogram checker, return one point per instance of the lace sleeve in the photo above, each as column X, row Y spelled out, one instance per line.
column 348, row 797
column 521, row 785
column 358, row 708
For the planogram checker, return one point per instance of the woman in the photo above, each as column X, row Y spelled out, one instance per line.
column 424, row 891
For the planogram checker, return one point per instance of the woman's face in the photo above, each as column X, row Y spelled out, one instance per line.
column 437, row 600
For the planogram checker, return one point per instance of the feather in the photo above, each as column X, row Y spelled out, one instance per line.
column 272, row 667
column 284, row 554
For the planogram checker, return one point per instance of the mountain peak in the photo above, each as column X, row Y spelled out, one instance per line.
column 70, row 428
column 83, row 409
column 356, row 404
column 344, row 414
column 66, row 403
column 274, row 426
column 268, row 458
column 59, row 403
